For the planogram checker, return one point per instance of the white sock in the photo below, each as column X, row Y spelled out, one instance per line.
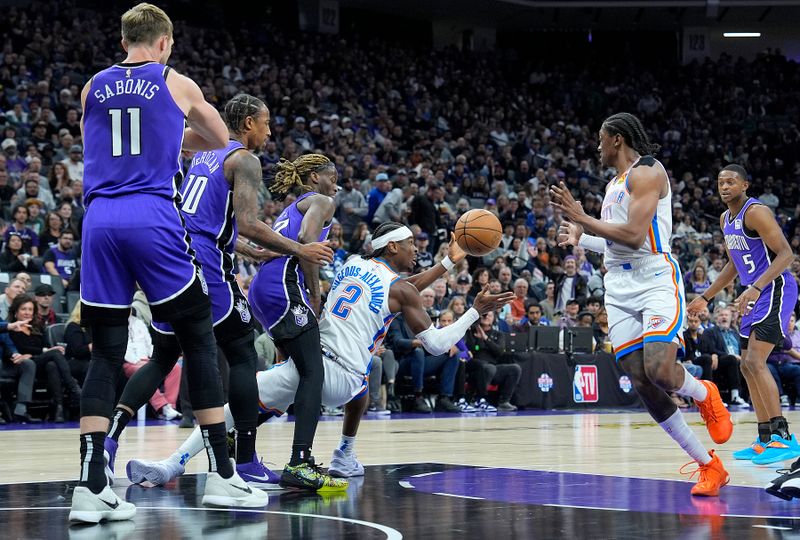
column 734, row 393
column 347, row 445
column 677, row 428
column 692, row 387
column 190, row 448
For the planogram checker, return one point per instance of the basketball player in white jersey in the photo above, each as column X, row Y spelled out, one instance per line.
column 644, row 289
column 365, row 297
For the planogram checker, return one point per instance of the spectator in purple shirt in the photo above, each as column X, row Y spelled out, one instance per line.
column 30, row 240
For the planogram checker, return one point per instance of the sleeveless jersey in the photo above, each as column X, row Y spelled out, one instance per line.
column 281, row 275
column 356, row 315
column 749, row 253
column 208, row 199
column 133, row 132
column 615, row 210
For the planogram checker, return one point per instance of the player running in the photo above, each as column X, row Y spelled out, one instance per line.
column 644, row 289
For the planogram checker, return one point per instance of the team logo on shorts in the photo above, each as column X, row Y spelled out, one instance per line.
column 655, row 322
column 545, row 382
column 625, row 384
column 244, row 313
column 300, row 315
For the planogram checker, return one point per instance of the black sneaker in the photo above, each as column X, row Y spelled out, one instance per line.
column 506, row 406
column 308, row 475
column 444, row 404
column 787, row 485
column 421, row 406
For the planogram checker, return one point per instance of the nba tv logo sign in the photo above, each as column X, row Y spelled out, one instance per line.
column 584, row 384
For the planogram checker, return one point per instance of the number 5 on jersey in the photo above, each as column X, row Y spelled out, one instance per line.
column 343, row 306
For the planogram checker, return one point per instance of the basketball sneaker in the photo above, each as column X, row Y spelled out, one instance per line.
column 716, row 416
column 258, row 475
column 157, row 473
column 484, row 406
column 308, row 475
column 345, row 465
column 751, row 451
column 787, row 485
column 109, row 455
column 778, row 449
column 465, row 407
column 106, row 505
column 712, row 477
column 232, row 492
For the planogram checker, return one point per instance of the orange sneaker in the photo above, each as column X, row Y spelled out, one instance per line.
column 712, row 477
column 716, row 416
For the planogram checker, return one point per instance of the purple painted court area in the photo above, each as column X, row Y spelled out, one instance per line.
column 601, row 492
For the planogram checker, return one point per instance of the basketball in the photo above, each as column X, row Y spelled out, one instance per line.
column 478, row 232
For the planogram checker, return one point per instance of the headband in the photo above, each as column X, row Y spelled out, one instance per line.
column 395, row 236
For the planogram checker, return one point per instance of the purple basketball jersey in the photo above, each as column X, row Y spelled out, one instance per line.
column 270, row 290
column 749, row 253
column 133, row 132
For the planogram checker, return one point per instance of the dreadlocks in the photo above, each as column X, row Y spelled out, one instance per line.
column 239, row 108
column 383, row 228
column 632, row 132
column 294, row 174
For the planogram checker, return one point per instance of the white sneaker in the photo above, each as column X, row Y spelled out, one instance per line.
column 90, row 508
column 465, row 406
column 344, row 465
column 485, row 406
column 169, row 413
column 738, row 401
column 232, row 492
column 157, row 473
column 785, row 401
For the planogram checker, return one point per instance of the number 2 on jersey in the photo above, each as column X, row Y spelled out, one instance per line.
column 343, row 306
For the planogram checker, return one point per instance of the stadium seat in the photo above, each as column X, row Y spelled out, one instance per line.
column 55, row 334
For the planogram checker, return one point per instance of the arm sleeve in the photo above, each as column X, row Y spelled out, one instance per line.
column 439, row 340
column 593, row 243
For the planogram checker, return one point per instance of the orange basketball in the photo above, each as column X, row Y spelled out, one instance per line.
column 478, row 232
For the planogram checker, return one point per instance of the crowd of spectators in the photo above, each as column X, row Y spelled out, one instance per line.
column 418, row 136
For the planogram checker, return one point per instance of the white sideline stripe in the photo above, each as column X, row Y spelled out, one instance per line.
column 588, row 507
column 461, row 496
column 426, row 474
column 391, row 534
column 772, row 527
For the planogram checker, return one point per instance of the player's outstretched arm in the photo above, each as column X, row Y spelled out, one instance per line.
column 320, row 211
column 405, row 298
column 759, row 218
column 207, row 130
column 646, row 185
column 425, row 279
column 243, row 169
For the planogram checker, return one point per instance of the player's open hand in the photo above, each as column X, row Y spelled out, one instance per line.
column 696, row 306
column 569, row 234
column 317, row 253
column 747, row 300
column 454, row 251
column 563, row 199
column 486, row 302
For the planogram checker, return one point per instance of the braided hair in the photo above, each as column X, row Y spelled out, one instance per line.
column 632, row 132
column 239, row 108
column 294, row 174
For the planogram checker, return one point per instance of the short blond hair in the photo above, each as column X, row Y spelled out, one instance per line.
column 145, row 23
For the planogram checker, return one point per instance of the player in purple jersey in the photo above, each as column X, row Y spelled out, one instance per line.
column 759, row 255
column 219, row 199
column 133, row 129
column 285, row 295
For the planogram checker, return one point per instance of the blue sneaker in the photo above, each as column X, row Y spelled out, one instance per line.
column 755, row 449
column 110, row 454
column 778, row 449
column 258, row 475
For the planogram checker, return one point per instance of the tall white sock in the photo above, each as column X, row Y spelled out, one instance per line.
column 734, row 393
column 194, row 444
column 692, row 387
column 677, row 428
column 347, row 445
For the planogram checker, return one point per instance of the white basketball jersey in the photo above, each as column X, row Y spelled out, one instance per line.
column 615, row 210
column 356, row 315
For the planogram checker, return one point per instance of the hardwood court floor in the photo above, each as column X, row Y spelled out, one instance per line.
column 599, row 475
